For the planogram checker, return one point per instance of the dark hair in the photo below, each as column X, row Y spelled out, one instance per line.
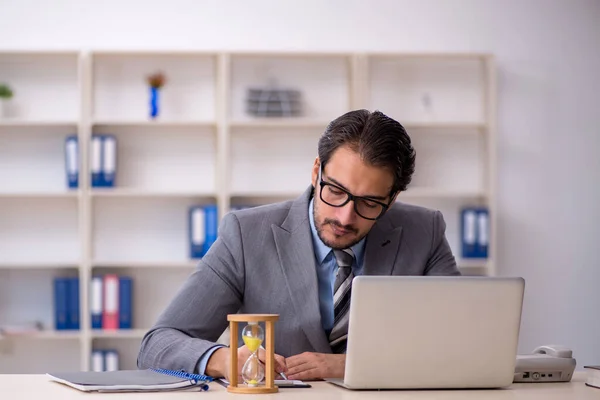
column 380, row 141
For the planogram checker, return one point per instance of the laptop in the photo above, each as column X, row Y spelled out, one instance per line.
column 426, row 332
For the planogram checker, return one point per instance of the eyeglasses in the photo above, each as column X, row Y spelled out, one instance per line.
column 336, row 196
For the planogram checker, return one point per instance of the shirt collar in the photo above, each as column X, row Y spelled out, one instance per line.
column 321, row 249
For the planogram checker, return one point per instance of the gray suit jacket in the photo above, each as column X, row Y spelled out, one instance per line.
column 264, row 262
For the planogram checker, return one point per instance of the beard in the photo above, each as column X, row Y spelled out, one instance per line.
column 320, row 227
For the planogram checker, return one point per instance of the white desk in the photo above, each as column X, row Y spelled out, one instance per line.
column 18, row 387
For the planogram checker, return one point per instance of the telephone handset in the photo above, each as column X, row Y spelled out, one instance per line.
column 554, row 351
column 550, row 363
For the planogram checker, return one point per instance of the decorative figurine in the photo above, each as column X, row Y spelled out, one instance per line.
column 156, row 82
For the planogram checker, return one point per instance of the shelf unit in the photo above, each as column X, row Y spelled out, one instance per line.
column 202, row 149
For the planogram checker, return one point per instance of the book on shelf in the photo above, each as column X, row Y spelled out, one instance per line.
column 202, row 229
column 111, row 302
column 66, row 303
column 72, row 161
column 103, row 160
column 105, row 360
column 474, row 230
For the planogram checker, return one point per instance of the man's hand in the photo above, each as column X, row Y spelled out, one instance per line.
column 307, row 366
column 219, row 361
column 244, row 353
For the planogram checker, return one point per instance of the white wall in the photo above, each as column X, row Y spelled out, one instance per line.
column 549, row 117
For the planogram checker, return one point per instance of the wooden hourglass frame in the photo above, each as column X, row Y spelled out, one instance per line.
column 269, row 320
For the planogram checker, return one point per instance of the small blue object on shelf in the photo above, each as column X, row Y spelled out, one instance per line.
column 72, row 161
column 203, row 224
column 474, row 232
column 483, row 224
column 154, row 101
column 104, row 160
column 155, row 81
column 96, row 301
column 125, row 302
column 73, row 303
column 109, row 160
column 96, row 160
column 66, row 303
column 61, row 303
column 211, row 226
column 196, row 231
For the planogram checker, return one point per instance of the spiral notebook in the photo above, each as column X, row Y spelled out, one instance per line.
column 146, row 380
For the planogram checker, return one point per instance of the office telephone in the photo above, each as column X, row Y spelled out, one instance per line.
column 551, row 363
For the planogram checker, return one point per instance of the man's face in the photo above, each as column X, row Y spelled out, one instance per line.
column 342, row 227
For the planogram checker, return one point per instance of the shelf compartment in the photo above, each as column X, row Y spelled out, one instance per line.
column 39, row 231
column 450, row 164
column 323, row 80
column 122, row 93
column 152, row 291
column 127, row 348
column 32, row 160
column 163, row 159
column 428, row 89
column 27, row 296
column 272, row 160
column 142, row 230
column 451, row 209
column 46, row 86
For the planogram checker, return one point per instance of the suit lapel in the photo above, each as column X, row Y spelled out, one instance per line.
column 297, row 259
column 383, row 243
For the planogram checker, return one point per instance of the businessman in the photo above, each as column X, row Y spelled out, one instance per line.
column 297, row 258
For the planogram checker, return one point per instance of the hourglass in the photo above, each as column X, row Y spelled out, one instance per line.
column 253, row 336
column 253, row 371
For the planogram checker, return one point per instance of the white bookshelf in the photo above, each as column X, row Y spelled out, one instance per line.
column 202, row 149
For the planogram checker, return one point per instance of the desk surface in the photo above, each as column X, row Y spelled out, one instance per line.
column 40, row 387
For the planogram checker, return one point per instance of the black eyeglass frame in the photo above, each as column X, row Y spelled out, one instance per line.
column 350, row 197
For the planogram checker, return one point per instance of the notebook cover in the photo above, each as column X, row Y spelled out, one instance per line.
column 121, row 380
column 593, row 379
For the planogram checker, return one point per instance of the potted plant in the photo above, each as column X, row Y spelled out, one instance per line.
column 156, row 82
column 6, row 94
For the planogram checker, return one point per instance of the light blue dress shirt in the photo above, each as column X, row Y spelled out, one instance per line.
column 326, row 271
